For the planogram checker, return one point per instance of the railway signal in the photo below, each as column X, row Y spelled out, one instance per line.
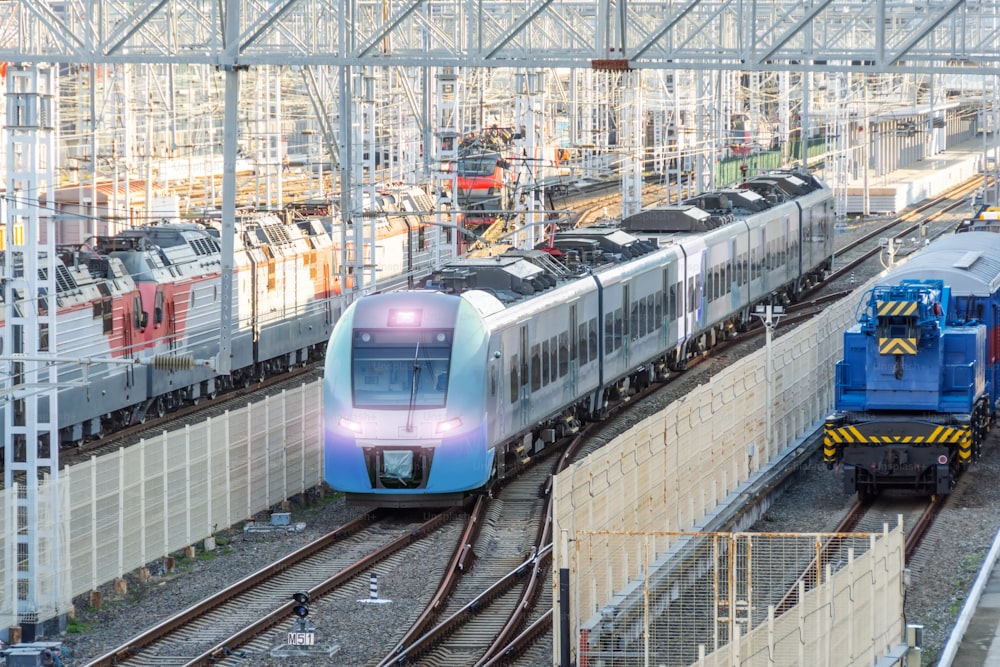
column 301, row 634
column 301, row 607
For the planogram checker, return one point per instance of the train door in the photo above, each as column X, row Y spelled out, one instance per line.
column 498, row 415
column 133, row 322
column 695, row 291
column 570, row 386
column 524, row 378
column 729, row 276
column 807, row 256
column 171, row 321
column 668, row 300
column 629, row 324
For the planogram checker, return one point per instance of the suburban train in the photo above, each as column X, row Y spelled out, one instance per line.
column 435, row 393
column 916, row 391
column 141, row 310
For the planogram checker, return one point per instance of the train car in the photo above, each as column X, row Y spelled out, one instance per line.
column 433, row 394
column 142, row 309
column 985, row 219
column 916, row 390
column 99, row 316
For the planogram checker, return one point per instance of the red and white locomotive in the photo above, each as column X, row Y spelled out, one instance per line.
column 152, row 296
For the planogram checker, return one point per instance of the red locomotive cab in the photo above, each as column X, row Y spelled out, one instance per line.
column 480, row 176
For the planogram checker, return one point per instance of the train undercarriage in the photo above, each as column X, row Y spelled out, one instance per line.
column 918, row 455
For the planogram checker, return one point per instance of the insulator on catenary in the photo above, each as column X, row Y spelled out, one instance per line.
column 172, row 362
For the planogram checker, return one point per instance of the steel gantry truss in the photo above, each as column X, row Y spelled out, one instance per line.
column 928, row 36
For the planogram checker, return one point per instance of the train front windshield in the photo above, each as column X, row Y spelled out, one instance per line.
column 400, row 369
column 478, row 165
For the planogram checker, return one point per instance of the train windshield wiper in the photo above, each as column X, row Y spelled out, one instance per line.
column 414, row 380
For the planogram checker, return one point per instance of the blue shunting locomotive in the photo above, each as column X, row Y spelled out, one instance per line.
column 915, row 394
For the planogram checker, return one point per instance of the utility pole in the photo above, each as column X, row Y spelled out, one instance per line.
column 769, row 316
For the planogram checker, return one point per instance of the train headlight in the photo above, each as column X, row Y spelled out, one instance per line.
column 449, row 426
column 353, row 427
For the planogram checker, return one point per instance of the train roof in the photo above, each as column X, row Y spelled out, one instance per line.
column 571, row 253
column 672, row 219
column 968, row 263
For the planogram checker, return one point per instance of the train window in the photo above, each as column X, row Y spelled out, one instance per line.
column 563, row 353
column 108, row 312
column 158, row 308
column 619, row 328
column 493, row 380
column 657, row 313
column 137, row 314
column 609, row 332
column 392, row 373
column 672, row 303
column 662, row 304
column 553, row 359
column 582, row 337
column 546, row 362
column 637, row 323
column 536, row 369
column 514, row 384
column 692, row 296
column 592, row 338
column 572, row 333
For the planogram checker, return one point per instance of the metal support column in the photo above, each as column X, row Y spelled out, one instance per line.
column 31, row 431
column 632, row 129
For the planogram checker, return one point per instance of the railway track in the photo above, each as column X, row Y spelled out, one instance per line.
column 909, row 232
column 215, row 628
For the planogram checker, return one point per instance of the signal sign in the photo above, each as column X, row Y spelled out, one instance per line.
column 301, row 638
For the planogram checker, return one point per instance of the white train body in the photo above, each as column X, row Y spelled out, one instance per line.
column 530, row 347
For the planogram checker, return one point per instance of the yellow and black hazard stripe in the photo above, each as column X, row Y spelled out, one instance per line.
column 896, row 308
column 837, row 437
column 897, row 345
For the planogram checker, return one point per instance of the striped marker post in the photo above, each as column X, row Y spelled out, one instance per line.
column 373, row 597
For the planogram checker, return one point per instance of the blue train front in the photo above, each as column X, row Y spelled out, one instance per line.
column 404, row 400
column 915, row 391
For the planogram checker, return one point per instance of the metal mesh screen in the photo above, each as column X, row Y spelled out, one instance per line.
column 740, row 598
column 118, row 512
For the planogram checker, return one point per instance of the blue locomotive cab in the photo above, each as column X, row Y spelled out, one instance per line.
column 404, row 416
column 911, row 393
